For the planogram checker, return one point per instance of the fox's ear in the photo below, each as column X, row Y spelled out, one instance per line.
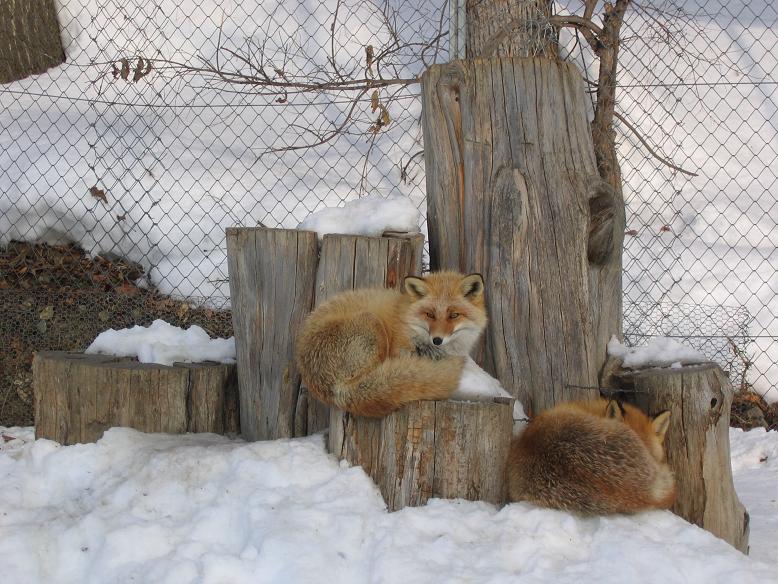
column 614, row 410
column 416, row 287
column 472, row 286
column 660, row 423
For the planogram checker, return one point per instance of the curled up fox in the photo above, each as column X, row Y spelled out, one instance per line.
column 593, row 458
column 370, row 351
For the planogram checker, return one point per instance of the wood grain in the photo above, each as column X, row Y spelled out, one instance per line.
column 513, row 193
column 78, row 396
column 450, row 449
column 272, row 275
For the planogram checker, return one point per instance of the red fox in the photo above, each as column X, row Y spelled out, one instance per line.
column 593, row 458
column 371, row 351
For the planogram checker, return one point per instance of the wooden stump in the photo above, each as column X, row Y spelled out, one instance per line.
column 514, row 193
column 277, row 276
column 78, row 396
column 697, row 443
column 449, row 449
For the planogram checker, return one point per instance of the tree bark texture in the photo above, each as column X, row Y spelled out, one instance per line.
column 513, row 193
column 448, row 449
column 507, row 28
column 30, row 41
column 697, row 443
column 277, row 276
column 272, row 278
column 78, row 396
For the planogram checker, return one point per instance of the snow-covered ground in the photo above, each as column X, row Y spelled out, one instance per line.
column 158, row 508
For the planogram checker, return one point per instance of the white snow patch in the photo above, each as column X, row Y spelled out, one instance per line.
column 755, row 470
column 165, row 344
column 205, row 508
column 371, row 215
column 659, row 352
column 477, row 385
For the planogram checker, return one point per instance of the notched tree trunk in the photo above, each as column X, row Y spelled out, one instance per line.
column 514, row 192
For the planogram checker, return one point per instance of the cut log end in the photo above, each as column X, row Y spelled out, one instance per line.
column 448, row 449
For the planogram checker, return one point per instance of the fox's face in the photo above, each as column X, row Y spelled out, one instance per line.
column 447, row 311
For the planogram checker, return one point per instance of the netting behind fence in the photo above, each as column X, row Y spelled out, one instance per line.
column 135, row 149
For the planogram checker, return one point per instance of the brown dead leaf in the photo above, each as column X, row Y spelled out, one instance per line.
column 7, row 438
column 374, row 104
column 98, row 194
column 632, row 232
column 664, row 228
column 125, row 72
column 369, row 58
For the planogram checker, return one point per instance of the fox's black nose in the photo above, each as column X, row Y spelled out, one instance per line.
column 437, row 340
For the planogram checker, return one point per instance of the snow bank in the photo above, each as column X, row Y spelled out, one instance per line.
column 659, row 352
column 371, row 215
column 165, row 344
column 204, row 508
column 755, row 469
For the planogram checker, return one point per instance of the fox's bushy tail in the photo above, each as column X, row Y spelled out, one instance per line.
column 396, row 382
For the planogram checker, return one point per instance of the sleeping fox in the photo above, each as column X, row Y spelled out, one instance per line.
column 593, row 458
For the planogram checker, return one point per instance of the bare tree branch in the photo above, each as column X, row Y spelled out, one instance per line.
column 648, row 147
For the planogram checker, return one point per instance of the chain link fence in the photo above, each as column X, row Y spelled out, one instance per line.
column 120, row 169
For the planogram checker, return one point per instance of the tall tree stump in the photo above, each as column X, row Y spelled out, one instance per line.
column 30, row 42
column 513, row 192
column 277, row 276
column 449, row 449
column 78, row 396
column 697, row 443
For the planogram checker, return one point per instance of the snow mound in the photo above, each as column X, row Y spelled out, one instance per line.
column 371, row 215
column 659, row 352
column 477, row 385
column 165, row 344
column 205, row 508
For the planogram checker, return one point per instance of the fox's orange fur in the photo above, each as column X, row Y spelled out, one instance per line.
column 371, row 351
column 593, row 458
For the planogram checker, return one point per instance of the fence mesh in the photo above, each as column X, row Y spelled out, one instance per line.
column 139, row 154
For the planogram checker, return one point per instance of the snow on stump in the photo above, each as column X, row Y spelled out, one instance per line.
column 697, row 444
column 449, row 449
column 79, row 396
column 277, row 277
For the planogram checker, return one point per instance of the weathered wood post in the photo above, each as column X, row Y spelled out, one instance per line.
column 450, row 449
column 277, row 276
column 513, row 192
column 78, row 396
column 272, row 278
column 697, row 443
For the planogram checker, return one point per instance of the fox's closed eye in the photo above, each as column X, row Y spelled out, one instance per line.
column 430, row 315
column 454, row 315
